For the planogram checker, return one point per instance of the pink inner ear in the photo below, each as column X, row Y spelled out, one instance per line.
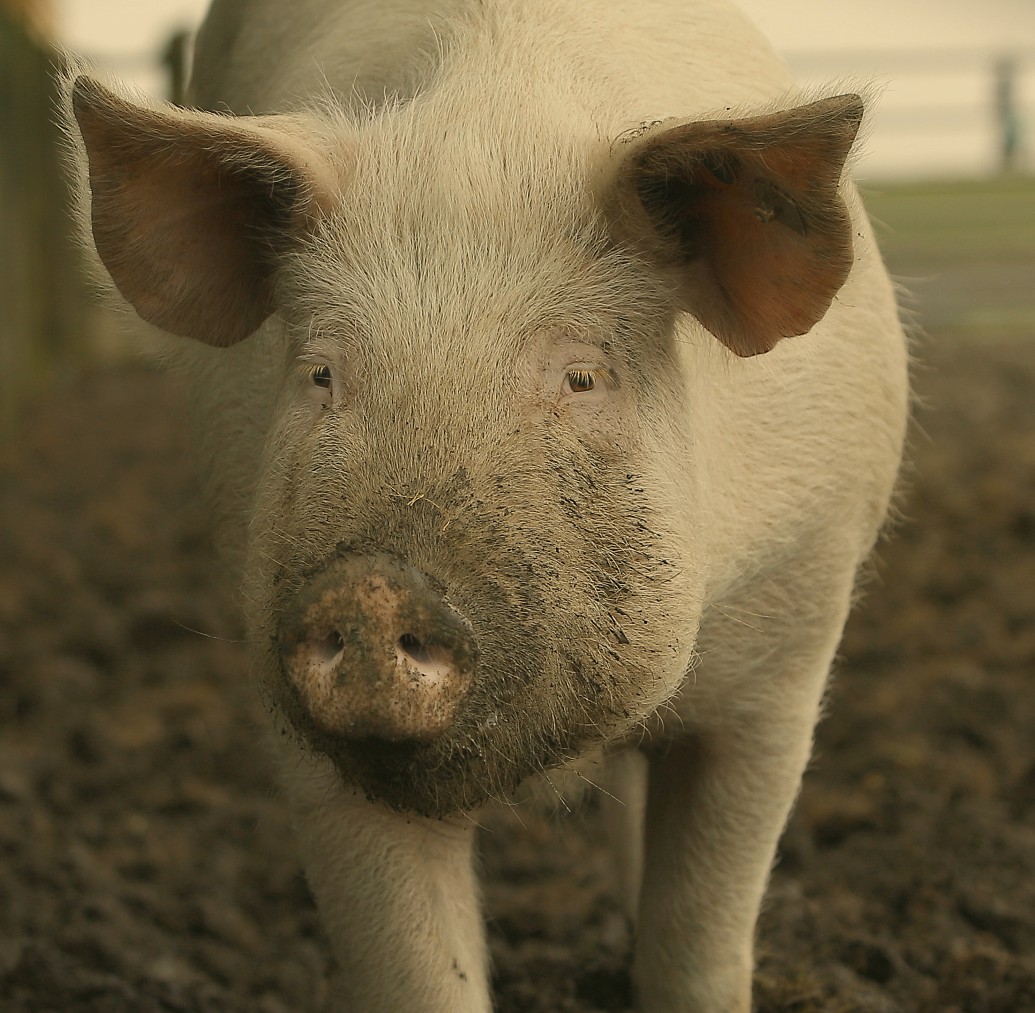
column 774, row 265
column 190, row 245
column 747, row 218
column 188, row 214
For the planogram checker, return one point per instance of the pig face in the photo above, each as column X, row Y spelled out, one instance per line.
column 480, row 423
column 471, row 550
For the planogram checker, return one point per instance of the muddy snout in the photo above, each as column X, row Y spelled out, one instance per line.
column 374, row 651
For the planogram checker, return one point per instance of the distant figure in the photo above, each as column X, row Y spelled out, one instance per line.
column 1007, row 114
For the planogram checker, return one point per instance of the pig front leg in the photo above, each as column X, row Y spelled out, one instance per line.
column 397, row 895
column 718, row 800
column 622, row 804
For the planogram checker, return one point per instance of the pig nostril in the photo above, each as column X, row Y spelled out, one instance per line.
column 430, row 660
column 327, row 650
column 415, row 649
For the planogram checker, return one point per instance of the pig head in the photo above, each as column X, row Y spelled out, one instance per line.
column 472, row 540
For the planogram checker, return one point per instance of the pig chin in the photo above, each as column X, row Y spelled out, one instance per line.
column 454, row 773
column 486, row 752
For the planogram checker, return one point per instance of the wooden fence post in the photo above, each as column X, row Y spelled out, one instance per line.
column 42, row 290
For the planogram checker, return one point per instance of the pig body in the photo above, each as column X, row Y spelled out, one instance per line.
column 473, row 302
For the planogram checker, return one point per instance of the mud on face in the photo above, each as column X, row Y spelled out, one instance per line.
column 549, row 550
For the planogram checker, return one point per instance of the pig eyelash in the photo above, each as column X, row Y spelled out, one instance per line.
column 579, row 381
column 319, row 373
column 321, row 376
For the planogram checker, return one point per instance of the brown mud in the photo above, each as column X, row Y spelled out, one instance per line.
column 147, row 862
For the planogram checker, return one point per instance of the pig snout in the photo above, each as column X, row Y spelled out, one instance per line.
column 372, row 650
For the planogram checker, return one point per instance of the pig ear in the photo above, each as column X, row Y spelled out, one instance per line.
column 744, row 217
column 191, row 210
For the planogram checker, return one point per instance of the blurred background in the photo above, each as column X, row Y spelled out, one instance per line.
column 947, row 162
column 146, row 863
column 957, row 78
column 956, row 114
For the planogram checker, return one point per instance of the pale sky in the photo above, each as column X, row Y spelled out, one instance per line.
column 933, row 117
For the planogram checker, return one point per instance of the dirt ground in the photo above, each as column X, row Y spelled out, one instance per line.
column 146, row 859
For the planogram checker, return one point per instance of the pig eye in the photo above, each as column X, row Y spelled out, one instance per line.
column 321, row 376
column 579, row 381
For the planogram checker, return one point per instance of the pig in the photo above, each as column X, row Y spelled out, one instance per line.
column 549, row 392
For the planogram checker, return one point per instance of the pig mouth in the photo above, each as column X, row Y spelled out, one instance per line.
column 486, row 753
column 430, row 780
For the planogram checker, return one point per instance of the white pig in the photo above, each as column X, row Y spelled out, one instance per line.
column 473, row 296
